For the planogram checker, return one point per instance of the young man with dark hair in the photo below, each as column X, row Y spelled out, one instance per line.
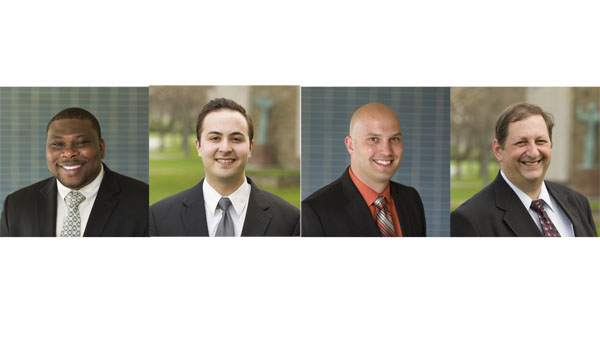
column 226, row 202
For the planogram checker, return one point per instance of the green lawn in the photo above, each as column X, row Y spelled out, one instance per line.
column 469, row 183
column 170, row 176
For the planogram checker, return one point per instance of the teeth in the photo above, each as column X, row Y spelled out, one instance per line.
column 225, row 161
column 71, row 167
column 531, row 163
column 383, row 162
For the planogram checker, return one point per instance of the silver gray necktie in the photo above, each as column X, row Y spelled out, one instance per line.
column 72, row 223
column 225, row 228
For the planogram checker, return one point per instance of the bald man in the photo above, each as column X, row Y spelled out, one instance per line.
column 363, row 202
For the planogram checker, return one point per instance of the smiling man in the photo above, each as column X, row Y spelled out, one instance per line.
column 519, row 202
column 84, row 197
column 363, row 201
column 226, row 202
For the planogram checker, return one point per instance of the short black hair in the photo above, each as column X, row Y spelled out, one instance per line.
column 76, row 113
column 223, row 103
column 517, row 112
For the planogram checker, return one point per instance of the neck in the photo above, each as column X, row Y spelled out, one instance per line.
column 375, row 186
column 532, row 193
column 225, row 188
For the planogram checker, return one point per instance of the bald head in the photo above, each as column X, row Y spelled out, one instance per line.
column 375, row 145
column 369, row 112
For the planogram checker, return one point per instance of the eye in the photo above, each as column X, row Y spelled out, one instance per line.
column 396, row 139
column 372, row 139
column 82, row 143
column 521, row 143
column 541, row 141
column 213, row 138
column 56, row 144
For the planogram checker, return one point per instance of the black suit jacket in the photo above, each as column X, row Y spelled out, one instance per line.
column 497, row 211
column 183, row 214
column 339, row 209
column 120, row 209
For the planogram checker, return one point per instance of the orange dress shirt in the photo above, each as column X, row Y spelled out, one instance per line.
column 370, row 196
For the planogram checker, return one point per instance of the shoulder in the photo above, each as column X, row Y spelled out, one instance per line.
column 479, row 203
column 274, row 201
column 127, row 183
column 404, row 190
column 176, row 200
column 27, row 192
column 326, row 196
column 558, row 189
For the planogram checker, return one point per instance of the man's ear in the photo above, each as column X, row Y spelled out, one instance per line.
column 349, row 144
column 497, row 150
column 198, row 147
column 251, row 147
column 102, row 148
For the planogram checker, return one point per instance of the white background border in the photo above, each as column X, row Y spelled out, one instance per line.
column 299, row 293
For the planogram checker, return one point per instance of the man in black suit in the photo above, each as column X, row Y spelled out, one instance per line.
column 364, row 202
column 83, row 197
column 225, row 202
column 519, row 202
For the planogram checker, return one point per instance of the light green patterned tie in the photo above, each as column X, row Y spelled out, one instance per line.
column 72, row 223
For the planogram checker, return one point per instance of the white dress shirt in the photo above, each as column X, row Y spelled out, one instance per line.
column 557, row 215
column 90, row 191
column 239, row 202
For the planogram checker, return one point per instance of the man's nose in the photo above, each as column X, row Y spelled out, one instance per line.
column 225, row 146
column 532, row 150
column 385, row 148
column 69, row 151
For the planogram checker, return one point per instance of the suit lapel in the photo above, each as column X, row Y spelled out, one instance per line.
column 357, row 209
column 46, row 209
column 257, row 219
column 568, row 206
column 516, row 216
column 104, row 205
column 194, row 215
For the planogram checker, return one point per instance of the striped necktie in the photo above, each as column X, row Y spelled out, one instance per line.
column 384, row 218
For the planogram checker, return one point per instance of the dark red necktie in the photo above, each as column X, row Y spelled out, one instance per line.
column 548, row 228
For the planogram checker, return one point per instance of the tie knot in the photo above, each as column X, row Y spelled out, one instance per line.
column 379, row 202
column 73, row 199
column 537, row 205
column 224, row 203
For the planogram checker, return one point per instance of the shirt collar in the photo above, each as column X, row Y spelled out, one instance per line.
column 367, row 193
column 544, row 194
column 88, row 190
column 239, row 198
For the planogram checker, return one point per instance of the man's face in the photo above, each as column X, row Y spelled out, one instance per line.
column 375, row 147
column 74, row 152
column 224, row 147
column 527, row 152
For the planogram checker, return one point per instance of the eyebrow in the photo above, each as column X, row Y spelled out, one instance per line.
column 220, row 133
column 63, row 136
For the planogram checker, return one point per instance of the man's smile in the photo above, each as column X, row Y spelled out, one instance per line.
column 70, row 168
column 225, row 161
column 531, row 163
column 383, row 162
